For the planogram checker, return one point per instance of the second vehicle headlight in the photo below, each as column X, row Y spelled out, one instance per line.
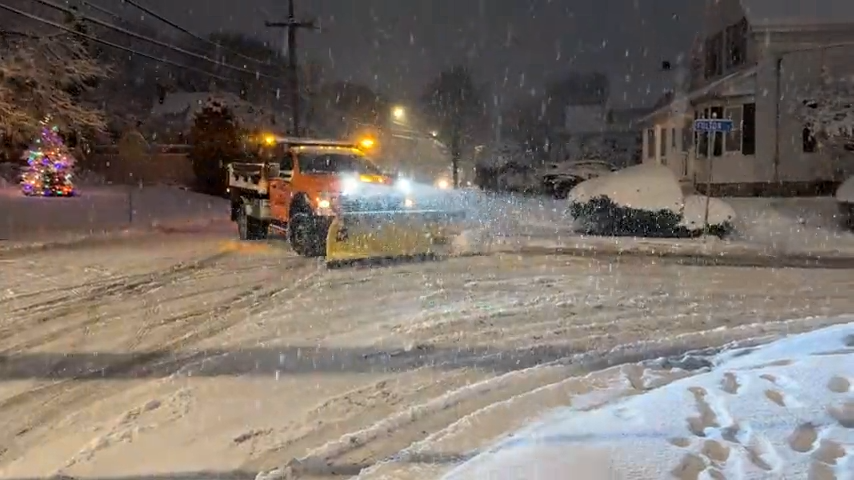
column 404, row 185
column 349, row 185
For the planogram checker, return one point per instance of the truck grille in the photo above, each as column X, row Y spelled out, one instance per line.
column 373, row 203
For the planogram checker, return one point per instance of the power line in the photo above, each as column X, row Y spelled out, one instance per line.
column 113, row 45
column 154, row 41
column 172, row 24
column 103, row 10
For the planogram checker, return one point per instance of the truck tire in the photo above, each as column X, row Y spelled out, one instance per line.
column 307, row 234
column 249, row 228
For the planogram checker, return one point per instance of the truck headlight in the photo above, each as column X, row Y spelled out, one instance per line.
column 349, row 185
column 404, row 185
column 443, row 183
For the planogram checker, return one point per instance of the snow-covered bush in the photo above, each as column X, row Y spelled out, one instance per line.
column 721, row 216
column 503, row 154
column 827, row 107
column 505, row 166
column 10, row 173
column 644, row 200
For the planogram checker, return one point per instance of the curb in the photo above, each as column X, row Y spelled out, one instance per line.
column 702, row 259
column 107, row 237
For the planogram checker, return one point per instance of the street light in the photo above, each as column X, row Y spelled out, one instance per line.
column 398, row 113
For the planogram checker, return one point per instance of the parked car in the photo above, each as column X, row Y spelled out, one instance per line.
column 560, row 177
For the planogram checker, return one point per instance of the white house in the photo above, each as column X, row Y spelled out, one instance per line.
column 751, row 64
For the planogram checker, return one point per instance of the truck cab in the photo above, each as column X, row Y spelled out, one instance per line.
column 297, row 186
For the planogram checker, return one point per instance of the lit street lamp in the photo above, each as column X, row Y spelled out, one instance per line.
column 398, row 113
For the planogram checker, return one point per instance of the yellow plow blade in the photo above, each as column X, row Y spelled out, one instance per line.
column 386, row 235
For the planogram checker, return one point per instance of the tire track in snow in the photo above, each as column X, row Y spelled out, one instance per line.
column 56, row 310
column 386, row 438
column 33, row 411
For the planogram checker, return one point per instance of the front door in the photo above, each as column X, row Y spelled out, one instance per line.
column 280, row 188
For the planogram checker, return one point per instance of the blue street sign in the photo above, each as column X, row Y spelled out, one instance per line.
column 713, row 125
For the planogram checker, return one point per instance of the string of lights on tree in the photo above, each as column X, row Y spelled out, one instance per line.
column 49, row 165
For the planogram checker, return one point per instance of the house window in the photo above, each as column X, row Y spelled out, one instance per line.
column 663, row 143
column 736, row 44
column 673, row 145
column 732, row 140
column 714, row 47
column 808, row 140
column 650, row 143
column 748, row 129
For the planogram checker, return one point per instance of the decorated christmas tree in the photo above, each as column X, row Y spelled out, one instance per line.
column 49, row 166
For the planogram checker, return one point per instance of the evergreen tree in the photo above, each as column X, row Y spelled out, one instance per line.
column 215, row 139
column 49, row 166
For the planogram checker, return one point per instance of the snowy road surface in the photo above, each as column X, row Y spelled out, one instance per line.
column 180, row 354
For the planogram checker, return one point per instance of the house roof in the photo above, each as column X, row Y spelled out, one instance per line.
column 794, row 13
column 733, row 85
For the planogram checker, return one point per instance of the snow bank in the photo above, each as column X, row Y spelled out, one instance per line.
column 785, row 409
column 643, row 200
column 103, row 209
column 793, row 225
column 845, row 192
column 721, row 214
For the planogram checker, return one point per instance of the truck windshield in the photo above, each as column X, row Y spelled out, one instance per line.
column 336, row 163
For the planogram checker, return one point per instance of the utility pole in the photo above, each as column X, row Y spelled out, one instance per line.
column 291, row 25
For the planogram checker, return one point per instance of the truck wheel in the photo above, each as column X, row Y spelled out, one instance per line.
column 307, row 235
column 249, row 228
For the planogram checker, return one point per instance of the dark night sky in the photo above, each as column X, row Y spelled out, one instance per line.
column 397, row 46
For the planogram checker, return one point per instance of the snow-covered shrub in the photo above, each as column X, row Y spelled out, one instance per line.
column 10, row 173
column 644, row 200
column 721, row 216
column 501, row 165
column 88, row 177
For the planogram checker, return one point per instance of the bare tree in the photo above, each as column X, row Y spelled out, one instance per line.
column 47, row 77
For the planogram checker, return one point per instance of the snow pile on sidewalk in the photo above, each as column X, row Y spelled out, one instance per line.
column 104, row 209
column 793, row 224
column 785, row 409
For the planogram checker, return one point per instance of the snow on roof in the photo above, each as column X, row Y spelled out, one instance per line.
column 787, row 13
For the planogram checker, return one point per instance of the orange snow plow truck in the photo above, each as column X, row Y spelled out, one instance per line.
column 330, row 200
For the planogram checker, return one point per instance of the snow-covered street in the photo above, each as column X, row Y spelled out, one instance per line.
column 180, row 353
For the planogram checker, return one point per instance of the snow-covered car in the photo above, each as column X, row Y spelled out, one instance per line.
column 560, row 177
